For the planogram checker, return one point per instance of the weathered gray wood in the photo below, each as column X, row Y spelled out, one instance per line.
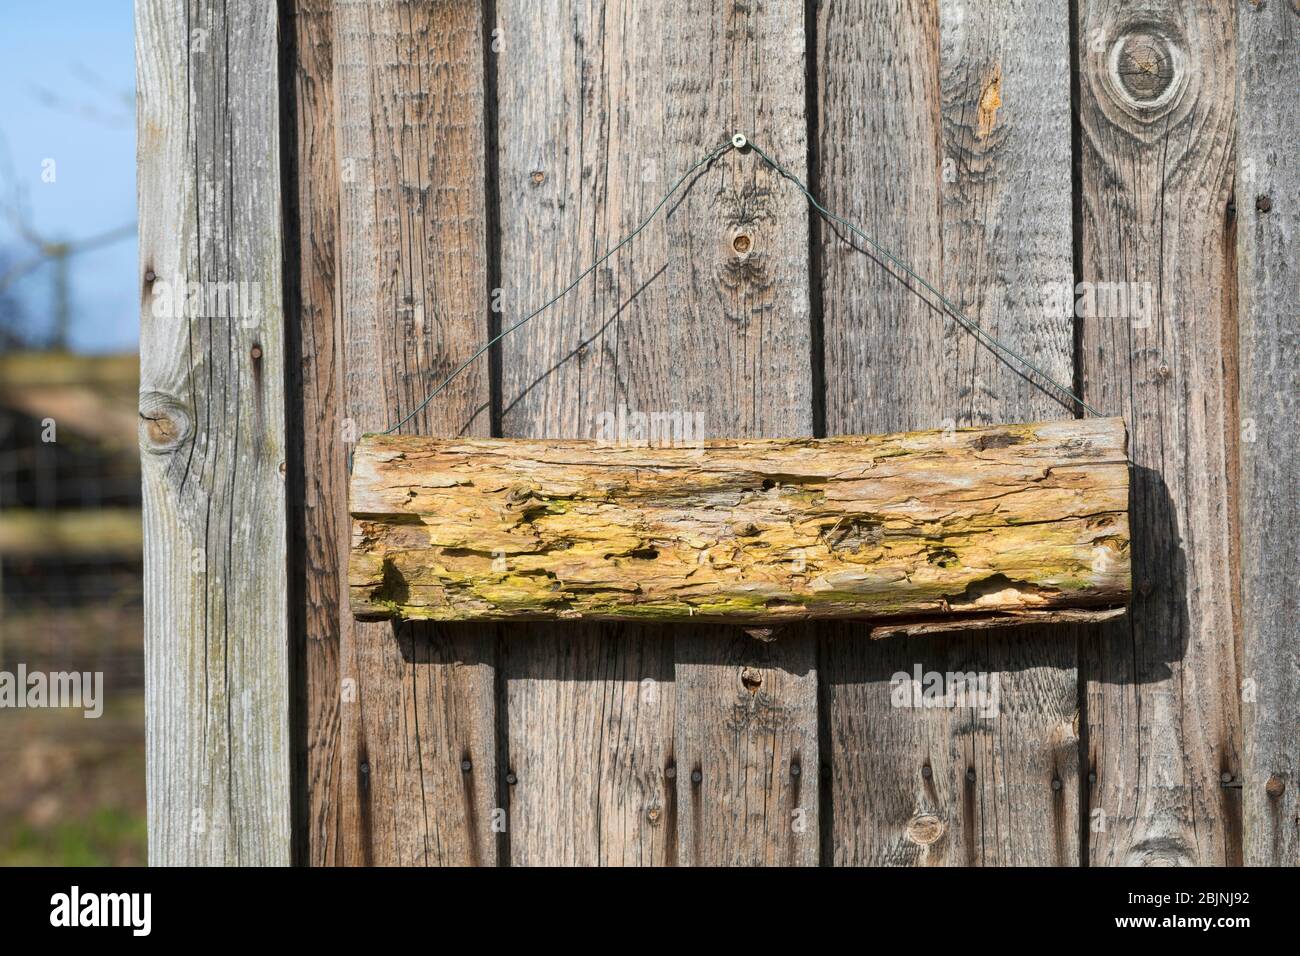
column 1156, row 107
column 212, row 435
column 417, row 726
column 601, row 108
column 961, row 167
column 747, row 750
column 1268, row 280
column 591, row 745
column 915, row 528
column 880, row 167
column 1008, row 253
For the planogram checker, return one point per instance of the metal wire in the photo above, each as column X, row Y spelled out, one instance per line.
column 948, row 306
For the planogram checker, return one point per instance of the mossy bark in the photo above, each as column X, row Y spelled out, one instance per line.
column 917, row 532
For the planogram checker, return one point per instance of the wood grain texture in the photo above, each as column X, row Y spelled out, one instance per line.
column 746, row 749
column 961, row 168
column 913, row 527
column 1268, row 242
column 212, row 435
column 417, row 718
column 601, row 107
column 318, row 474
column 1156, row 108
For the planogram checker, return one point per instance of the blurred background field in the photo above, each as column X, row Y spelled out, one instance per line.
column 71, row 788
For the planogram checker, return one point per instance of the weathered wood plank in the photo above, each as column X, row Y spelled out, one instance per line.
column 1268, row 242
column 1008, row 252
column 961, row 167
column 879, row 167
column 417, row 724
column 747, row 749
column 1156, row 108
column 317, row 478
column 601, row 107
column 914, row 527
column 213, row 435
column 597, row 787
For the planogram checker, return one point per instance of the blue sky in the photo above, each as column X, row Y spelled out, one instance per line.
column 67, row 90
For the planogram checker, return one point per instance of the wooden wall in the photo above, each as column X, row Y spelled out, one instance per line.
column 444, row 167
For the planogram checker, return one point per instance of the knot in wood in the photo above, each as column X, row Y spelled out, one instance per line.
column 925, row 829
column 1146, row 66
column 165, row 423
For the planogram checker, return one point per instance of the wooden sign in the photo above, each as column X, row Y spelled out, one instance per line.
column 916, row 532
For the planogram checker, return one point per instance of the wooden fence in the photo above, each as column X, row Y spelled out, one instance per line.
column 1110, row 187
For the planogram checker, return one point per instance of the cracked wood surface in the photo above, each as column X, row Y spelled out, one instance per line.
column 1163, row 714
column 212, row 402
column 1268, row 227
column 632, row 744
column 407, row 715
column 975, row 524
column 944, row 130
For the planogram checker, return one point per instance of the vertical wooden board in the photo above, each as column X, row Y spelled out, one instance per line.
column 1008, row 253
column 318, row 474
column 601, row 108
column 1268, row 242
column 960, row 166
column 879, row 158
column 417, row 725
column 212, row 435
column 591, row 743
column 1156, row 110
column 747, row 758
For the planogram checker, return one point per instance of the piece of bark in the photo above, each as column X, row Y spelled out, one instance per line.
column 922, row 531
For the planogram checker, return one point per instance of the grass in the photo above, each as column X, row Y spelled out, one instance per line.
column 109, row 836
column 72, row 790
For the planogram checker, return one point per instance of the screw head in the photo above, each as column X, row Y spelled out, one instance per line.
column 739, row 141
